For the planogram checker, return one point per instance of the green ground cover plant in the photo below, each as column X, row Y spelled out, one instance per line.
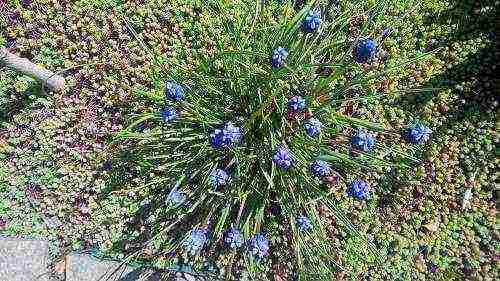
column 435, row 220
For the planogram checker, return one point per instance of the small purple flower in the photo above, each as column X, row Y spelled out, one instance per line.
column 3, row 224
column 234, row 238
column 218, row 178
column 175, row 197
column 320, row 168
column 365, row 50
column 231, row 134
column 169, row 114
column 303, row 222
column 312, row 21
column 283, row 157
column 296, row 103
column 417, row 134
column 196, row 240
column 312, row 127
column 215, row 138
column 358, row 189
column 363, row 141
column 174, row 91
column 278, row 57
column 258, row 246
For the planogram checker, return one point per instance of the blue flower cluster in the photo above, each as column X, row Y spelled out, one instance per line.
column 196, row 240
column 363, row 141
column 312, row 21
column 258, row 246
column 283, row 157
column 417, row 133
column 218, row 178
column 174, row 91
column 320, row 168
column 278, row 57
column 296, row 103
column 228, row 136
column 169, row 114
column 303, row 222
column 365, row 50
column 358, row 189
column 312, row 127
column 175, row 197
column 234, row 238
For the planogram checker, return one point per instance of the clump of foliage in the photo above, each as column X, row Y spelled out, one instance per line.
column 252, row 125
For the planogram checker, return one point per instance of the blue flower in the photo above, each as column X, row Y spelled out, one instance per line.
column 312, row 21
column 215, row 138
column 234, row 238
column 303, row 222
column 258, row 246
column 196, row 240
column 320, row 168
column 365, row 50
column 418, row 134
column 175, row 197
column 283, row 158
column 296, row 103
column 363, row 141
column 312, row 127
column 358, row 189
column 174, row 91
column 231, row 134
column 218, row 178
column 278, row 57
column 169, row 114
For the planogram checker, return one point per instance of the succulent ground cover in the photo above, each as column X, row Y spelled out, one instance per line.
column 436, row 220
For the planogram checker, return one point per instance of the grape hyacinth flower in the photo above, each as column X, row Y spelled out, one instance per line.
column 320, row 168
column 296, row 103
column 312, row 21
column 363, row 141
column 231, row 134
column 258, row 246
column 195, row 241
column 312, row 127
column 303, row 222
column 234, row 238
column 215, row 138
column 174, row 91
column 283, row 157
column 417, row 134
column 278, row 57
column 169, row 114
column 175, row 196
column 218, row 178
column 358, row 189
column 365, row 50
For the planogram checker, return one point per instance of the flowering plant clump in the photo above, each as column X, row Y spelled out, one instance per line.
column 245, row 139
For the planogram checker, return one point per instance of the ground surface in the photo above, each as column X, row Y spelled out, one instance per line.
column 439, row 224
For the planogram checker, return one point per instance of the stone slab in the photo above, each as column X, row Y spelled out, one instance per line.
column 23, row 260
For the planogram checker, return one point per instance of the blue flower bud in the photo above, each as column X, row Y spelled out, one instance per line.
column 258, row 246
column 283, row 158
column 320, row 168
column 174, row 91
column 303, row 222
column 278, row 57
column 363, row 141
column 358, row 189
column 196, row 240
column 296, row 103
column 417, row 134
column 312, row 21
column 234, row 238
column 365, row 50
column 312, row 127
column 218, row 178
column 168, row 115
